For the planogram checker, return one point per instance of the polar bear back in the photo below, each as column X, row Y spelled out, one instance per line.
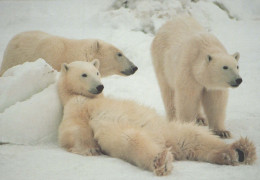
column 172, row 34
column 55, row 50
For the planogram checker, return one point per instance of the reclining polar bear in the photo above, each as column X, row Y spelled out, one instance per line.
column 124, row 129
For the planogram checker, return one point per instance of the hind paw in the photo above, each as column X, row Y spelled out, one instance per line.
column 222, row 133
column 245, row 151
column 163, row 163
column 227, row 157
column 86, row 152
column 201, row 121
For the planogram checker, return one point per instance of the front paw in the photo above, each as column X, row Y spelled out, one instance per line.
column 201, row 121
column 163, row 163
column 222, row 133
column 92, row 151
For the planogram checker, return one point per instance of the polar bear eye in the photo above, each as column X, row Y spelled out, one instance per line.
column 119, row 54
column 237, row 67
column 209, row 58
column 225, row 67
column 97, row 73
column 84, row 75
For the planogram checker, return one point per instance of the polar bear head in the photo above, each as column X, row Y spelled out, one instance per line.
column 214, row 68
column 219, row 70
column 112, row 60
column 82, row 78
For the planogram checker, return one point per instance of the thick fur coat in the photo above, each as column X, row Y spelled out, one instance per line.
column 194, row 72
column 55, row 50
column 93, row 124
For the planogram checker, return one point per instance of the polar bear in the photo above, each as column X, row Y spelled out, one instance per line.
column 194, row 72
column 93, row 124
column 32, row 45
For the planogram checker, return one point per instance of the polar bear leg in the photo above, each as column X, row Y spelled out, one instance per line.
column 190, row 141
column 214, row 104
column 240, row 152
column 76, row 136
column 187, row 103
column 201, row 119
column 197, row 143
column 167, row 94
column 133, row 145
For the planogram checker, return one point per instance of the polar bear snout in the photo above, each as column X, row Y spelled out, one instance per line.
column 239, row 81
column 97, row 90
column 130, row 71
column 236, row 83
column 100, row 88
column 134, row 69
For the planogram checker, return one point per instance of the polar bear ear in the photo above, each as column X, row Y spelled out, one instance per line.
column 64, row 67
column 236, row 55
column 96, row 63
column 209, row 58
column 96, row 46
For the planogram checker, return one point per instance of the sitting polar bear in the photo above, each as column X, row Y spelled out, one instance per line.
column 193, row 68
column 93, row 124
column 32, row 45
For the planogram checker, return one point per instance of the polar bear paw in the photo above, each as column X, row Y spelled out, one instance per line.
column 86, row 152
column 222, row 133
column 201, row 121
column 245, row 150
column 163, row 163
column 240, row 152
column 227, row 157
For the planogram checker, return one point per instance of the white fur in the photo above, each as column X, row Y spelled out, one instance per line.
column 189, row 64
column 55, row 50
column 124, row 129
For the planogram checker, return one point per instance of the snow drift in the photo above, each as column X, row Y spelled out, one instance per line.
column 30, row 106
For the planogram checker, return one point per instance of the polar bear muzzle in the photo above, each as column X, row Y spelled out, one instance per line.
column 236, row 83
column 97, row 90
column 130, row 71
column 126, row 67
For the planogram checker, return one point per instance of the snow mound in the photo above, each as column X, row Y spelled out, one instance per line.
column 145, row 15
column 148, row 16
column 22, row 81
column 239, row 9
column 32, row 113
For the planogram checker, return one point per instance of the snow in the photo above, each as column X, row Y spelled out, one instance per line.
column 30, row 110
column 34, row 76
column 36, row 119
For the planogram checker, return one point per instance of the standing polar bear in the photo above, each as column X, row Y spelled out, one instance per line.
column 93, row 124
column 193, row 68
column 32, row 45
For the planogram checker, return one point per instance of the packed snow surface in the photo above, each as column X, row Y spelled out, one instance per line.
column 30, row 110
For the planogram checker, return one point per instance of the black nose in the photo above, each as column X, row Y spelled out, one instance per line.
column 134, row 69
column 238, row 81
column 100, row 88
